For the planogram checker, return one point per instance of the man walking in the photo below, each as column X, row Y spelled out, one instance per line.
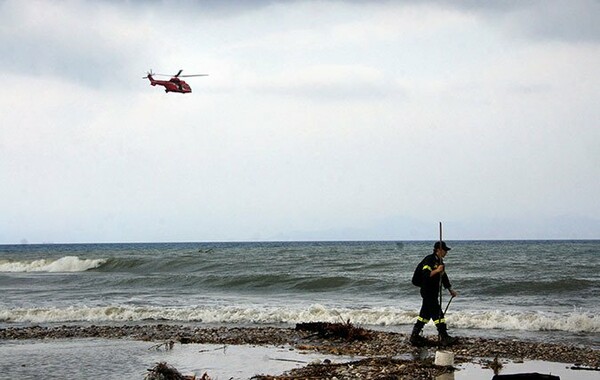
column 430, row 276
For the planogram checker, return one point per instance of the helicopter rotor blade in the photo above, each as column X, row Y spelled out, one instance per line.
column 148, row 73
column 178, row 75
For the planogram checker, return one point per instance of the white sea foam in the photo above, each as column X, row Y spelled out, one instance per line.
column 577, row 321
column 573, row 322
column 64, row 264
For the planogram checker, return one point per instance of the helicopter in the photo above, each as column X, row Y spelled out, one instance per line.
column 174, row 84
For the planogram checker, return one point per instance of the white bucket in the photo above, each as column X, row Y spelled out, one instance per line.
column 444, row 358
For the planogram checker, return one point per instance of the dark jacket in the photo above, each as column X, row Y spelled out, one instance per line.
column 431, row 285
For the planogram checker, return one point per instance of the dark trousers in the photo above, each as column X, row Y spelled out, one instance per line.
column 431, row 309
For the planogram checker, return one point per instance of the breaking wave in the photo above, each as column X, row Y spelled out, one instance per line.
column 577, row 321
column 64, row 264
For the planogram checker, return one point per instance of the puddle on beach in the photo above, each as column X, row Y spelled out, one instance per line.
column 123, row 359
column 472, row 371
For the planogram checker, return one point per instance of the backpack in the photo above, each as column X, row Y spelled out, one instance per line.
column 417, row 278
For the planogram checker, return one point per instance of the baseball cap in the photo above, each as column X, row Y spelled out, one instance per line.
column 444, row 246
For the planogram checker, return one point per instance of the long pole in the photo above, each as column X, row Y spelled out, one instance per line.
column 442, row 262
column 451, row 298
column 441, row 275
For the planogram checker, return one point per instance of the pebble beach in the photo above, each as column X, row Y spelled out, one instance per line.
column 382, row 355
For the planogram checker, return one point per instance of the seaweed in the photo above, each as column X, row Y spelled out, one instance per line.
column 345, row 330
column 163, row 371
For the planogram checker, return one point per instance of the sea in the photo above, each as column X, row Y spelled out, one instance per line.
column 545, row 291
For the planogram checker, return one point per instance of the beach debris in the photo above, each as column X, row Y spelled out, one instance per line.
column 526, row 376
column 168, row 345
column 289, row 360
column 163, row 371
column 224, row 348
column 444, row 358
column 345, row 330
column 368, row 368
column 495, row 365
column 578, row 367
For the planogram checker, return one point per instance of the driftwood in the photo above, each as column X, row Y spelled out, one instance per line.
column 163, row 371
column 582, row 368
column 526, row 376
column 345, row 330
column 168, row 346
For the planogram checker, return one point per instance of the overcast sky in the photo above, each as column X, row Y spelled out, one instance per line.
column 319, row 120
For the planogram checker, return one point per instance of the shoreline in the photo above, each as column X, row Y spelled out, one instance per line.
column 380, row 352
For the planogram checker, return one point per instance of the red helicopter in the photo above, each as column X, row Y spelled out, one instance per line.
column 174, row 84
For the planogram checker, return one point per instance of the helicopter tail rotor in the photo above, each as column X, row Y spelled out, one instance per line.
column 149, row 74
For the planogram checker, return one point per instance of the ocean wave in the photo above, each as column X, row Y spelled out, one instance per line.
column 576, row 321
column 532, row 287
column 222, row 314
column 63, row 264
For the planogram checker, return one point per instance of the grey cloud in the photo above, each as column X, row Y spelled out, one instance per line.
column 215, row 8
column 83, row 52
column 563, row 20
column 571, row 21
column 95, row 68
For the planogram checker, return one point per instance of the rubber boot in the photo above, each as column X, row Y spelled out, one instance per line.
column 445, row 339
column 415, row 337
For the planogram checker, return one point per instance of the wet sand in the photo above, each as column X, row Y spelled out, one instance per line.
column 380, row 355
